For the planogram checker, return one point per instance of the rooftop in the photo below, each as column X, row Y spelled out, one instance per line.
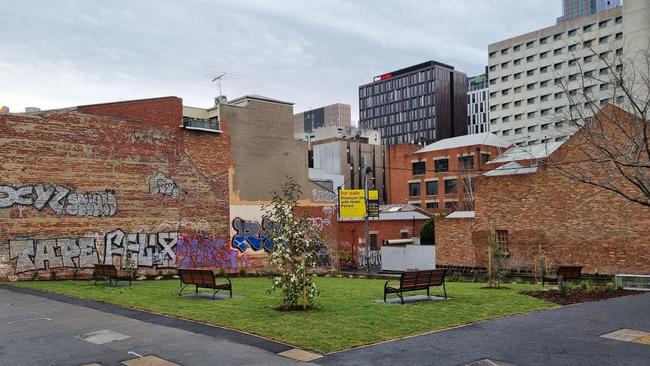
column 518, row 153
column 485, row 138
column 512, row 168
column 258, row 97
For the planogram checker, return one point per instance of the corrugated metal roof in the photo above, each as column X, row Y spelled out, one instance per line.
column 511, row 168
column 518, row 153
column 485, row 138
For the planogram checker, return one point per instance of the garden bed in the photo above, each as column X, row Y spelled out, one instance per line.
column 578, row 295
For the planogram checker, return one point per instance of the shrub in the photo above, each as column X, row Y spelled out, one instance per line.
column 496, row 266
column 242, row 271
column 587, row 285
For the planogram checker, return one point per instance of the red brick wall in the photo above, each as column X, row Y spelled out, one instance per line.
column 570, row 222
column 104, row 156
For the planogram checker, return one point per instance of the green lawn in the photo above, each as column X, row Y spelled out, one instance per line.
column 347, row 316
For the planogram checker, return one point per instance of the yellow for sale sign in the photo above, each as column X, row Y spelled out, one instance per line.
column 352, row 204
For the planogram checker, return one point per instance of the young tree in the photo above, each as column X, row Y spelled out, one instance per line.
column 614, row 146
column 296, row 244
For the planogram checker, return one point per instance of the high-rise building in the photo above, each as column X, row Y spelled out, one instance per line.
column 535, row 80
column 418, row 104
column 477, row 104
column 331, row 115
column 572, row 9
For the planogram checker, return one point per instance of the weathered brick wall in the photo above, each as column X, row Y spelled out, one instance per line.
column 548, row 213
column 101, row 183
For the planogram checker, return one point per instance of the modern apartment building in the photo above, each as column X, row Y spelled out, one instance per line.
column 528, row 74
column 418, row 104
column 331, row 115
column 572, row 9
column 477, row 104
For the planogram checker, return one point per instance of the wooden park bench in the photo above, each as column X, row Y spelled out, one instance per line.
column 109, row 272
column 416, row 280
column 567, row 273
column 203, row 278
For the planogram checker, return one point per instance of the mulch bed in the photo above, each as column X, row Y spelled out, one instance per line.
column 578, row 295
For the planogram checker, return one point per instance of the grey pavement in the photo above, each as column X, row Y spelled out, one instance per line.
column 563, row 336
column 36, row 330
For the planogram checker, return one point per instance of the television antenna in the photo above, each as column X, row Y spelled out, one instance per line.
column 219, row 77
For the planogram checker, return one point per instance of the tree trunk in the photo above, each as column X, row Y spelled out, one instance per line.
column 304, row 282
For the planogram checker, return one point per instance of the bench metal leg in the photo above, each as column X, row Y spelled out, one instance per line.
column 181, row 289
column 444, row 289
column 196, row 289
column 428, row 291
column 214, row 293
column 384, row 296
column 231, row 292
column 401, row 297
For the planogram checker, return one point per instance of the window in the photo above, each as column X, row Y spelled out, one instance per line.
column 530, row 44
column 530, row 72
column 451, row 205
column 558, row 95
column 586, row 44
column 543, row 69
column 602, row 40
column 589, row 73
column 558, row 124
column 531, row 128
column 517, row 89
column 530, row 86
column 620, row 99
column 492, row 54
column 441, row 165
column 618, row 20
column 587, row 28
column 557, row 66
column 573, row 62
column 530, row 100
column 604, row 55
column 587, row 59
column 557, row 37
column 618, row 36
column 603, row 24
column 573, row 77
column 493, row 81
column 619, row 67
column 604, row 71
column 518, row 130
column 493, row 94
column 558, row 110
column 572, row 32
column 493, row 68
column 504, row 51
column 544, row 112
column 450, row 186
column 557, row 51
column 530, row 58
column 587, row 89
column 493, row 121
column 418, row 167
column 373, row 241
column 493, row 108
column 505, row 105
column 516, row 48
column 432, row 188
column 573, row 48
column 619, row 51
column 544, row 126
column 604, row 101
column 543, row 55
column 517, row 103
column 604, row 86
column 544, row 98
column 466, row 162
column 543, row 84
column 516, row 62
column 505, row 78
column 502, row 239
column 517, row 75
column 504, row 65
column 530, row 115
column 543, row 40
column 485, row 157
column 518, row 116
column 432, row 204
column 505, row 133
column 414, row 189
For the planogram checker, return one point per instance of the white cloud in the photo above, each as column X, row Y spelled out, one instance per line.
column 65, row 53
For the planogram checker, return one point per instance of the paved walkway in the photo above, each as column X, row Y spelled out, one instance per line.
column 39, row 330
column 564, row 336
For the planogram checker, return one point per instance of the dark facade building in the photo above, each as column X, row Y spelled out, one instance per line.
column 572, row 9
column 421, row 103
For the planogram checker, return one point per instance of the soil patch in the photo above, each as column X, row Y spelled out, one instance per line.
column 578, row 295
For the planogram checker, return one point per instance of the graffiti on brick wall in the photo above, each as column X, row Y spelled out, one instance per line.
column 202, row 250
column 370, row 258
column 185, row 225
column 253, row 234
column 320, row 195
column 347, row 255
column 161, row 184
column 59, row 199
column 32, row 255
column 323, row 256
column 146, row 249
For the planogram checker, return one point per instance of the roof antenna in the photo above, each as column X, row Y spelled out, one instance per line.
column 218, row 80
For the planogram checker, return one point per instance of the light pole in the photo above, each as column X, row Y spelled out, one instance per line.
column 367, row 232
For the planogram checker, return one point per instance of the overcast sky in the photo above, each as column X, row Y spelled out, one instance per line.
column 313, row 53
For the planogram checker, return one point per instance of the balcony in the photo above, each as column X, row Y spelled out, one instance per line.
column 209, row 125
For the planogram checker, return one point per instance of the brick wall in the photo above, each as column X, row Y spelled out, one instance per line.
column 546, row 212
column 105, row 182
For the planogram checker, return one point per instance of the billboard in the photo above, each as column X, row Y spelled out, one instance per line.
column 352, row 204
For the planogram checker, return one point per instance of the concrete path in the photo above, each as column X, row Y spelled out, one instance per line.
column 39, row 330
column 564, row 336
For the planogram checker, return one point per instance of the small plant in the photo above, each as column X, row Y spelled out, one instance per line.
column 566, row 288
column 129, row 265
column 455, row 277
column 611, row 287
column 242, row 272
column 587, row 286
column 221, row 273
column 497, row 256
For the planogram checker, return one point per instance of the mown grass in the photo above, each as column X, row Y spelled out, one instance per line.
column 347, row 315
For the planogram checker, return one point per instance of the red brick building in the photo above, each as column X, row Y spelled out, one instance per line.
column 437, row 177
column 536, row 210
column 109, row 182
